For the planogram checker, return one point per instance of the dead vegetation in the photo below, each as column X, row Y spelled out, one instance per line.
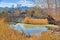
column 35, row 21
column 9, row 34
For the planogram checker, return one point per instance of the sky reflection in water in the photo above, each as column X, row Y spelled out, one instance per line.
column 29, row 30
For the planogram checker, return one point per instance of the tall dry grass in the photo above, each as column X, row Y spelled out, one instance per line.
column 9, row 34
column 35, row 21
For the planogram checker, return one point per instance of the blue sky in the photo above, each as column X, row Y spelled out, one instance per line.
column 9, row 3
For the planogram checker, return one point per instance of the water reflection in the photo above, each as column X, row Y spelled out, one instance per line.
column 31, row 30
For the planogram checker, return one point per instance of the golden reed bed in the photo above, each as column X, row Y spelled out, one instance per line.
column 35, row 21
column 9, row 34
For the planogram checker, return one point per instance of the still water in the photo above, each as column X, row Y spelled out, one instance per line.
column 29, row 31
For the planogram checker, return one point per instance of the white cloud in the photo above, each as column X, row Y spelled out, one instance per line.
column 26, row 3
column 3, row 4
column 23, row 3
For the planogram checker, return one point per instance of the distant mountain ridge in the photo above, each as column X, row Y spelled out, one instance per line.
column 22, row 8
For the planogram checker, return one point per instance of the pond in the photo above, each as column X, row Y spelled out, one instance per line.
column 29, row 30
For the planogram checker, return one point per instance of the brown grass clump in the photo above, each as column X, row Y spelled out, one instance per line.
column 48, row 36
column 35, row 21
column 9, row 34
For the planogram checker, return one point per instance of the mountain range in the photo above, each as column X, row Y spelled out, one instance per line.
column 21, row 8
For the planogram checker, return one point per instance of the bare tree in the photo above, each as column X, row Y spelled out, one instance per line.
column 56, row 8
column 48, row 7
column 59, row 3
column 36, row 3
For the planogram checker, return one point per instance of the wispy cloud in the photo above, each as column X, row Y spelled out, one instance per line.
column 29, row 3
column 21, row 2
column 26, row 3
column 3, row 4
